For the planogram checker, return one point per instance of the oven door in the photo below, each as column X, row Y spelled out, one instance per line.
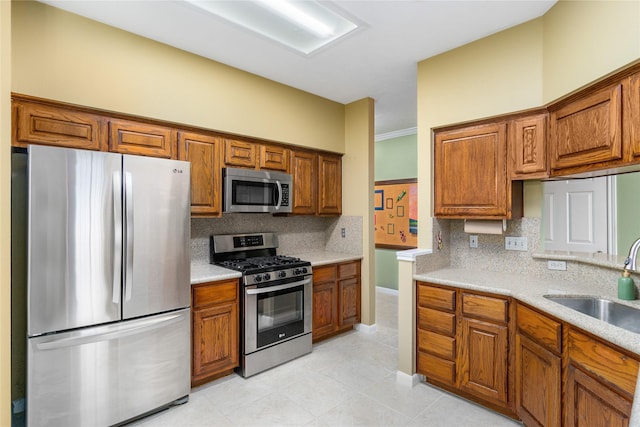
column 276, row 313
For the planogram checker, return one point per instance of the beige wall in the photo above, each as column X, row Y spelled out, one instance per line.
column 5, row 219
column 357, row 191
column 65, row 57
column 495, row 75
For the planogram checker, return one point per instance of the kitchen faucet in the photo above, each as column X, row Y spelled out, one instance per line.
column 630, row 262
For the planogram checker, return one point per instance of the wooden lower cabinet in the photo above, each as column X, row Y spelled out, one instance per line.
column 463, row 343
column 215, row 332
column 336, row 299
column 600, row 382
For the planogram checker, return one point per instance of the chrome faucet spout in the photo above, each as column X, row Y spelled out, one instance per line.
column 631, row 261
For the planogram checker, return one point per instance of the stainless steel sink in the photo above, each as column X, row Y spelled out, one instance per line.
column 608, row 311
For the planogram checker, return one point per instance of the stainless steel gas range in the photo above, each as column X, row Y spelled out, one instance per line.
column 276, row 299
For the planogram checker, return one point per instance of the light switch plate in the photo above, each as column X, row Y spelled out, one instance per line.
column 557, row 265
column 513, row 243
column 473, row 241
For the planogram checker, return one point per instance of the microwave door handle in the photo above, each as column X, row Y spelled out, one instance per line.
column 278, row 196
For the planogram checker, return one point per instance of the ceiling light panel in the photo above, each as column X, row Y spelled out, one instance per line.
column 305, row 26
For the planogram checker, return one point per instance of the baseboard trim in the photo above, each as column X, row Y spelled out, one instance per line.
column 367, row 329
column 389, row 291
column 407, row 380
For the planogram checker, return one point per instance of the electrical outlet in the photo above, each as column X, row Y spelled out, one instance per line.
column 557, row 265
column 515, row 243
column 473, row 241
column 343, row 232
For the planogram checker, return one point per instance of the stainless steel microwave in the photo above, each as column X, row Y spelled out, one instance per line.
column 247, row 190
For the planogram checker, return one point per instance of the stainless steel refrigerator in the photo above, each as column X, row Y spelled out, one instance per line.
column 108, row 285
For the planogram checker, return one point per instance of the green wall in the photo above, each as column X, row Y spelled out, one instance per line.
column 628, row 207
column 395, row 158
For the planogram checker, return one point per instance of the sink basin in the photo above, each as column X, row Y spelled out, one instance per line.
column 608, row 311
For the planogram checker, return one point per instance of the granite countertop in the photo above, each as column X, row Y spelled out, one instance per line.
column 530, row 290
column 202, row 272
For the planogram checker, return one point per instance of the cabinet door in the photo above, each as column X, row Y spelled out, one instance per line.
column 43, row 124
column 305, row 181
column 215, row 340
column 632, row 121
column 274, row 158
column 538, row 384
column 483, row 359
column 325, row 309
column 329, row 185
column 240, row 154
column 206, row 181
column 131, row 137
column 349, row 313
column 589, row 403
column 587, row 131
column 527, row 147
column 470, row 178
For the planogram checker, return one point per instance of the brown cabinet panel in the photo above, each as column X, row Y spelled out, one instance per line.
column 538, row 384
column 543, row 330
column 438, row 345
column 588, row 130
column 470, row 177
column 349, row 301
column 274, row 158
column 485, row 307
column 631, row 122
column 51, row 125
column 325, row 309
column 325, row 274
column 437, row 321
column 215, row 330
column 603, row 361
column 351, row 269
column 203, row 152
column 240, row 154
column 329, row 184
column 305, row 182
column 527, row 147
column 132, row 137
column 436, row 368
column 483, row 361
column 589, row 403
column 434, row 297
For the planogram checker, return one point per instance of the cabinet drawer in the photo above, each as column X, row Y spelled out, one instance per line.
column 484, row 307
column 239, row 153
column 324, row 274
column 543, row 330
column 604, row 361
column 214, row 293
column 437, row 321
column 436, row 368
column 274, row 158
column 348, row 270
column 431, row 296
column 436, row 344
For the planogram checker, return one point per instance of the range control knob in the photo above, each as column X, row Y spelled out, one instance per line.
column 282, row 274
column 257, row 278
column 304, row 270
column 297, row 271
column 266, row 276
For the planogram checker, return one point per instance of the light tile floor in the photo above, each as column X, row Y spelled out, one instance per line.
column 346, row 381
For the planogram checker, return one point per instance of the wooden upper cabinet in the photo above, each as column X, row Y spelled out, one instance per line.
column 274, row 157
column 527, row 147
column 203, row 152
column 329, row 184
column 240, row 153
column 133, row 137
column 36, row 123
column 631, row 121
column 587, row 131
column 305, row 181
column 470, row 177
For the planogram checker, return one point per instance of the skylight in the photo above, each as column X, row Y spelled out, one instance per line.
column 305, row 26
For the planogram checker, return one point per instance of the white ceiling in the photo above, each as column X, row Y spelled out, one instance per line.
column 378, row 62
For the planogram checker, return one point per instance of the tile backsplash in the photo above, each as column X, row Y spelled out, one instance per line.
column 296, row 234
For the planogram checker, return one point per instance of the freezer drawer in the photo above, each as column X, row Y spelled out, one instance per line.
column 104, row 375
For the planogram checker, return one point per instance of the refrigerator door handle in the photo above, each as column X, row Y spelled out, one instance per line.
column 117, row 235
column 128, row 206
column 110, row 332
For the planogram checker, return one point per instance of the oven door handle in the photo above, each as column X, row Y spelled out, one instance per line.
column 277, row 287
